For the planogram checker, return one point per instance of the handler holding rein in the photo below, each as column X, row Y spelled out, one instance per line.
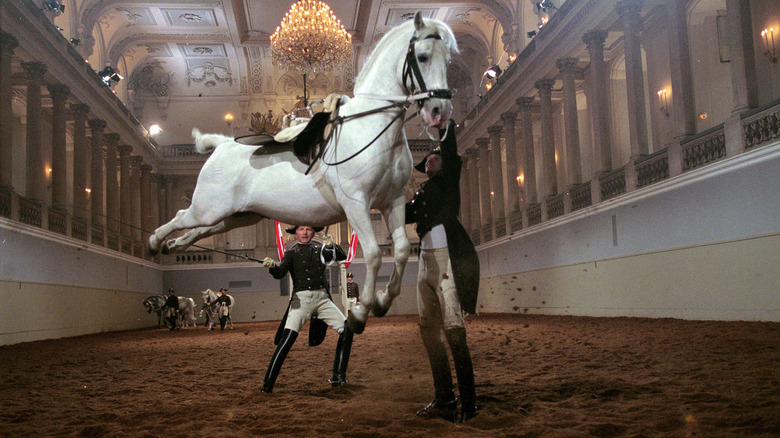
column 306, row 264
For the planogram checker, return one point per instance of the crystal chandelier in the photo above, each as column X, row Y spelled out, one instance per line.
column 311, row 39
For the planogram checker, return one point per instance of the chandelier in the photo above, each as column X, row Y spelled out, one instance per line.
column 311, row 39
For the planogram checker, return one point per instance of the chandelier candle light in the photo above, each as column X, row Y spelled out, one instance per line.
column 311, row 39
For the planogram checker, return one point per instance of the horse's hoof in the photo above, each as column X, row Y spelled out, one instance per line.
column 153, row 251
column 166, row 248
column 354, row 325
column 378, row 310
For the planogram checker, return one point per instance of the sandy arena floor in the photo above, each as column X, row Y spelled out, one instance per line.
column 536, row 376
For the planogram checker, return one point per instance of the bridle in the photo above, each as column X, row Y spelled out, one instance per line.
column 410, row 74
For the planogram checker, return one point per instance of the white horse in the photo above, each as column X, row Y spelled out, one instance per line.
column 212, row 314
column 155, row 303
column 186, row 310
column 364, row 166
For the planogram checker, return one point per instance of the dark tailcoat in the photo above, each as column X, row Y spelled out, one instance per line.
column 437, row 201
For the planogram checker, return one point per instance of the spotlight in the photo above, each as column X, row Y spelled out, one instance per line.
column 493, row 72
column 54, row 6
column 109, row 75
column 531, row 34
column 544, row 6
column 75, row 42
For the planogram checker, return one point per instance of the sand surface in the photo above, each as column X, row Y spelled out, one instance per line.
column 536, row 376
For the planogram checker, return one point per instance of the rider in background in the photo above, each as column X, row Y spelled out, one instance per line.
column 172, row 308
column 222, row 304
column 310, row 297
column 447, row 278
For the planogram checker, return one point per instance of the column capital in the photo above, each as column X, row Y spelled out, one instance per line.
column 544, row 84
column 35, row 70
column 495, row 130
column 630, row 10
column 79, row 109
column 97, row 124
column 567, row 65
column 595, row 38
column 136, row 160
column 482, row 142
column 124, row 150
column 112, row 138
column 524, row 103
column 8, row 42
column 58, row 91
column 146, row 168
column 471, row 153
column 509, row 117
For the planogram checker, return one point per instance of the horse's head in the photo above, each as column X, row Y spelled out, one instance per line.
column 425, row 68
column 148, row 305
column 207, row 296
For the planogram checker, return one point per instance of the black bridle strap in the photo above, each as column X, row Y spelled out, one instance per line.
column 411, row 72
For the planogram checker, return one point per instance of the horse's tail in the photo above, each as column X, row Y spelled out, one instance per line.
column 206, row 143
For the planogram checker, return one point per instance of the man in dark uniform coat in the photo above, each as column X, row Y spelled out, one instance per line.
column 172, row 308
column 306, row 263
column 353, row 292
column 222, row 300
column 447, row 280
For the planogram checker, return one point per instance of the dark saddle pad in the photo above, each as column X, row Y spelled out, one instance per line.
column 305, row 146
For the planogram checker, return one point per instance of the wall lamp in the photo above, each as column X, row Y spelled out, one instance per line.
column 769, row 44
column 109, row 75
column 663, row 100
column 229, row 119
column 493, row 72
column 54, row 6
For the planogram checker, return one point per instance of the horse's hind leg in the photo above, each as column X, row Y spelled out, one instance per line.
column 395, row 218
column 236, row 220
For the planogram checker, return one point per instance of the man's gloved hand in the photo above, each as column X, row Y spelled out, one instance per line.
column 327, row 240
column 268, row 262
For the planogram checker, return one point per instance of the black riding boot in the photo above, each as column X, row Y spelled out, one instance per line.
column 287, row 341
column 465, row 371
column 341, row 359
column 444, row 403
column 172, row 320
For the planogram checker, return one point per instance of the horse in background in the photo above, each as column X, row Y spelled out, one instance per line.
column 364, row 165
column 155, row 303
column 213, row 314
column 186, row 312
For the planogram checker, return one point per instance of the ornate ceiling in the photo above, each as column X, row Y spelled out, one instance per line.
column 172, row 52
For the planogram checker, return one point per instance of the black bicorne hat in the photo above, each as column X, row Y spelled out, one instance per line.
column 421, row 165
column 292, row 229
column 350, row 275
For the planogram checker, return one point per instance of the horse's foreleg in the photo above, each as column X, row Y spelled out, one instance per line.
column 395, row 218
column 362, row 224
column 234, row 221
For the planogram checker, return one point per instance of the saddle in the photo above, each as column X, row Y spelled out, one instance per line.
column 304, row 140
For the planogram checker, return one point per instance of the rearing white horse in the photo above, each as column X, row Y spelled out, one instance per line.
column 364, row 166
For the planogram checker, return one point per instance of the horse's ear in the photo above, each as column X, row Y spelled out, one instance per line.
column 418, row 21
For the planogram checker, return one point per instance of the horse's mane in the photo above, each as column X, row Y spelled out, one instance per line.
column 402, row 31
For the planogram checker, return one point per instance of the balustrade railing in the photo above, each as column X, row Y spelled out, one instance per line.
column 516, row 221
column 5, row 203
column 762, row 126
column 30, row 212
column 487, row 232
column 652, row 168
column 581, row 196
column 194, row 257
column 127, row 245
column 555, row 206
column 57, row 221
column 534, row 214
column 500, row 227
column 97, row 235
column 613, row 183
column 703, row 149
column 113, row 240
column 78, row 229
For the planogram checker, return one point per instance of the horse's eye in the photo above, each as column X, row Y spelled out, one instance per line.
column 422, row 58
